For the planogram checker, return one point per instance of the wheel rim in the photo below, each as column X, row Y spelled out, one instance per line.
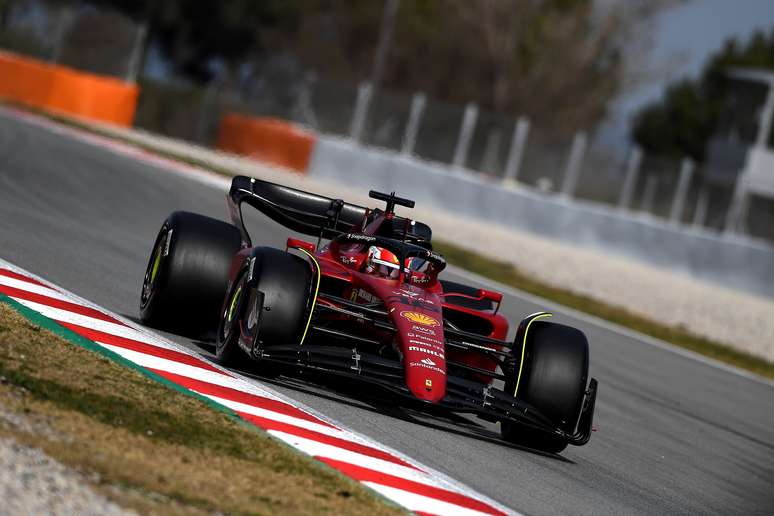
column 152, row 272
column 229, row 315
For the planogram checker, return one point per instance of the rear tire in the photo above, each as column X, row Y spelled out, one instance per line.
column 556, row 366
column 187, row 273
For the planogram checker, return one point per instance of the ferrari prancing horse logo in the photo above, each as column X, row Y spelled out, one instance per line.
column 419, row 318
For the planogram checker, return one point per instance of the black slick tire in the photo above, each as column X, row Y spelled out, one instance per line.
column 227, row 350
column 281, row 293
column 553, row 381
column 187, row 274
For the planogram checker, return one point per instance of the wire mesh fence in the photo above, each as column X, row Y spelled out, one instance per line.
column 487, row 143
column 85, row 38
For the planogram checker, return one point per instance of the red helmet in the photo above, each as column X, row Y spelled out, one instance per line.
column 382, row 262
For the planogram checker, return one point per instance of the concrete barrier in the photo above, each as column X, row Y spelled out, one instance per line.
column 734, row 262
column 266, row 139
column 59, row 89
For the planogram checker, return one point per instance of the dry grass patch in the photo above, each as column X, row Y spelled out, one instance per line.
column 151, row 448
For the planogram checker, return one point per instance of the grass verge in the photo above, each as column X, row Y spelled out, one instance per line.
column 506, row 273
column 149, row 448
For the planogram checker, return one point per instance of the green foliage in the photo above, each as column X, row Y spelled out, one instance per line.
column 683, row 121
column 192, row 32
column 508, row 56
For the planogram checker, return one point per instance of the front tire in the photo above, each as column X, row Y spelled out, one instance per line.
column 187, row 273
column 273, row 308
column 227, row 350
column 554, row 376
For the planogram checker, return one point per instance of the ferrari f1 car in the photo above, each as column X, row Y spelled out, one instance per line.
column 364, row 300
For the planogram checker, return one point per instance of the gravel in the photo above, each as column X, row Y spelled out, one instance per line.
column 33, row 483
column 738, row 319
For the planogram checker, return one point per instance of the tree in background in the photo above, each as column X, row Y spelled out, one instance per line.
column 690, row 112
column 191, row 34
column 560, row 62
column 557, row 61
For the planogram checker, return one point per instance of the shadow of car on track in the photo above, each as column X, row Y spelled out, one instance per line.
column 366, row 397
column 373, row 399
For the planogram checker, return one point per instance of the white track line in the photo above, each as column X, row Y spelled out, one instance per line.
column 280, row 417
column 318, row 449
column 32, row 287
column 422, row 503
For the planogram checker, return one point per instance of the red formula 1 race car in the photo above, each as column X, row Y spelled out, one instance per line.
column 368, row 304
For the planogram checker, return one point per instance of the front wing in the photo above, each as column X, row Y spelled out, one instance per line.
column 485, row 401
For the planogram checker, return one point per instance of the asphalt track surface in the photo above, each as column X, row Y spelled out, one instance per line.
column 675, row 435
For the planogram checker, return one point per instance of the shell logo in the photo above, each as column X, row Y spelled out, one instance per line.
column 420, row 318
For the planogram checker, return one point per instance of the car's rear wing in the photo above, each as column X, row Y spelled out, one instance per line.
column 309, row 213
column 300, row 211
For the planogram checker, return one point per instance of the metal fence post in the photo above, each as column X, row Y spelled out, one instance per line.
column 5, row 14
column 767, row 113
column 737, row 208
column 303, row 109
column 574, row 162
column 630, row 180
column 702, row 204
column 678, row 201
column 649, row 195
column 412, row 126
column 64, row 21
column 516, row 154
column 466, row 136
column 133, row 67
column 361, row 111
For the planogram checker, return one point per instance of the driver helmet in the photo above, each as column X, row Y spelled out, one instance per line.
column 382, row 262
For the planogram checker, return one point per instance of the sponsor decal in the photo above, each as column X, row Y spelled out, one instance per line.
column 422, row 329
column 348, row 260
column 427, row 361
column 428, row 383
column 420, row 318
column 413, row 299
column 427, row 351
column 426, row 341
column 251, row 269
column 417, row 280
column 427, row 366
column 252, row 319
column 363, row 295
column 437, row 257
column 412, row 295
column 354, row 237
column 168, row 242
